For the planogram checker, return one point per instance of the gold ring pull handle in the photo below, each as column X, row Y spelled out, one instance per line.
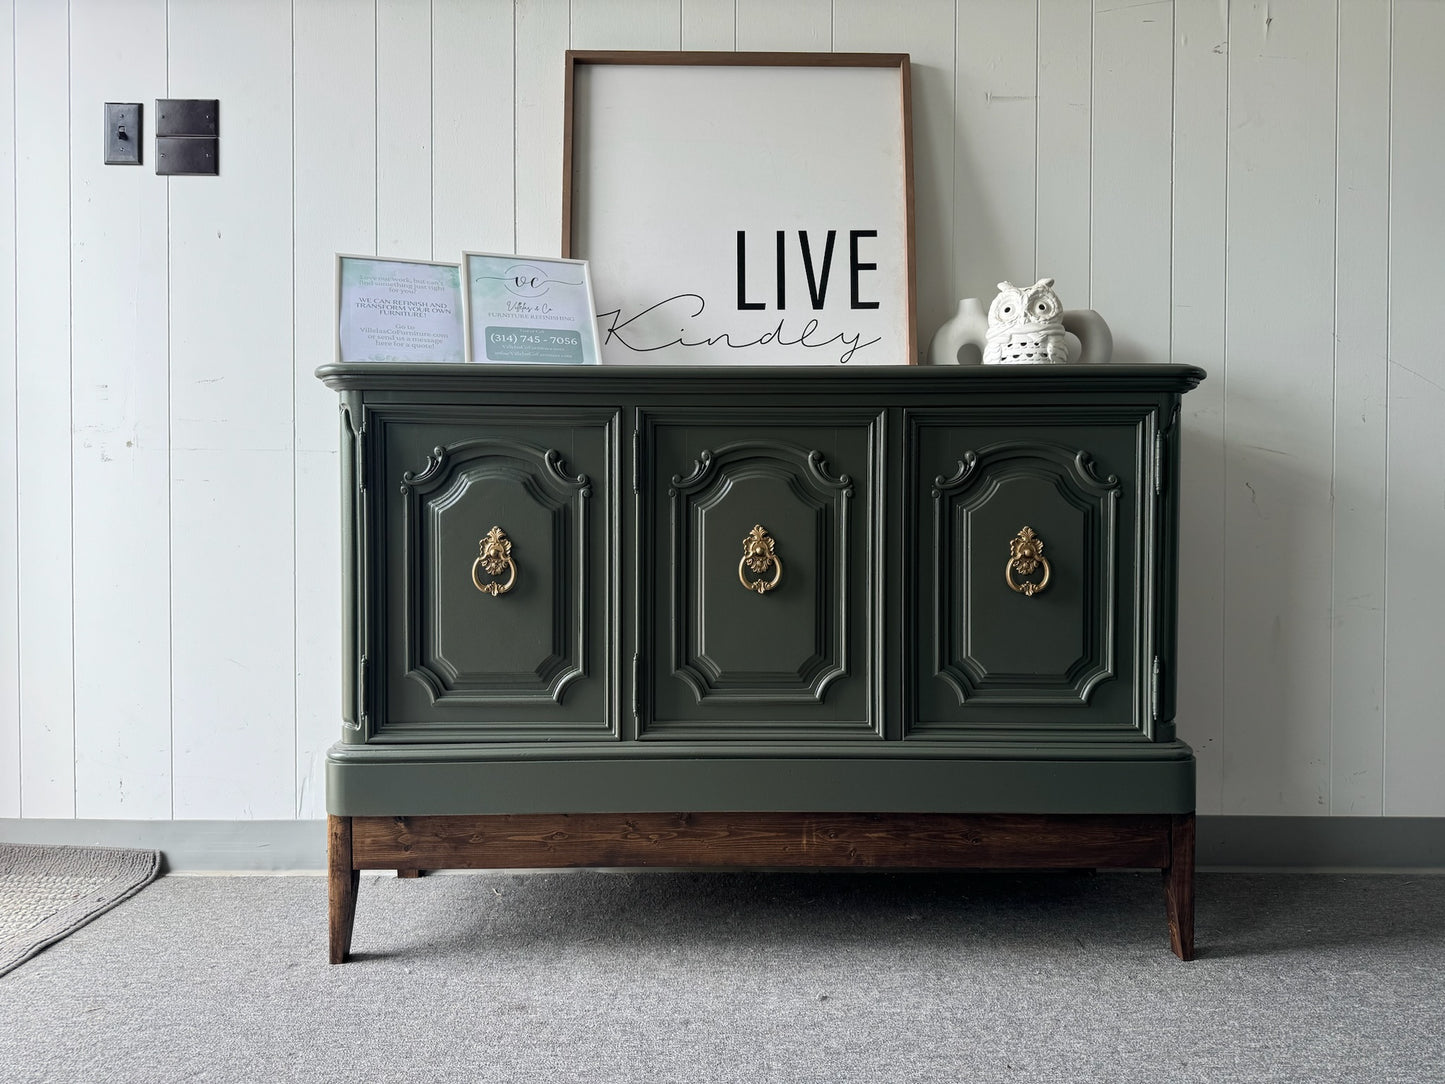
column 494, row 556
column 1025, row 555
column 759, row 551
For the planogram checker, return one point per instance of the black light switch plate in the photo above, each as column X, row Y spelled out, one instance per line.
column 122, row 133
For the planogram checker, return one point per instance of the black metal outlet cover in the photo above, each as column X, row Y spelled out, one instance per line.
column 188, row 117
column 187, row 155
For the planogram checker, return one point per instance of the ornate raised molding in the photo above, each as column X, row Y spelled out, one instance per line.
column 826, row 499
column 701, row 468
column 942, row 485
column 980, row 478
column 553, row 462
column 434, row 463
column 818, row 465
column 538, row 475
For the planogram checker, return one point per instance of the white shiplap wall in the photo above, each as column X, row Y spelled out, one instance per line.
column 1248, row 186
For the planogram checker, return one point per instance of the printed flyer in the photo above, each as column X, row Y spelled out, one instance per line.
column 523, row 309
column 399, row 310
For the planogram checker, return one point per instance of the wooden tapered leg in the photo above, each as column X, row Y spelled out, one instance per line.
column 408, row 873
column 1179, row 886
column 341, row 884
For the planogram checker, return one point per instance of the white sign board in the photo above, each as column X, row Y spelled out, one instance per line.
column 742, row 208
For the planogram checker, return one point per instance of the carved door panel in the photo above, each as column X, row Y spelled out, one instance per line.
column 758, row 575
column 1034, row 602
column 499, row 577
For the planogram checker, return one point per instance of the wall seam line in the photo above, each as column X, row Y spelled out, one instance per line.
column 1334, row 413
column 15, row 378
column 296, row 786
column 1173, row 112
column 1038, row 64
column 170, row 470
column 1224, row 412
column 376, row 125
column 1093, row 68
column 515, row 126
column 1389, row 324
column 431, row 114
column 70, row 373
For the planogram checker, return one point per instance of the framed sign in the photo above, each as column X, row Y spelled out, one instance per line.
column 529, row 308
column 398, row 310
column 743, row 207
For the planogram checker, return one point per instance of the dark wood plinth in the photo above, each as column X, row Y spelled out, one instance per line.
column 766, row 840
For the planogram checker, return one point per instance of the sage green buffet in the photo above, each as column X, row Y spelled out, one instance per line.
column 903, row 617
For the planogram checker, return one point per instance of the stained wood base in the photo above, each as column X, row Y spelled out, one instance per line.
column 765, row 840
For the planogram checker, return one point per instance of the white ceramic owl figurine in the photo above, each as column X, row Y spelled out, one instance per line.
column 1025, row 325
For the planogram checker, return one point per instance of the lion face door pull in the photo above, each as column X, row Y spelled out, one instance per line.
column 494, row 556
column 759, row 551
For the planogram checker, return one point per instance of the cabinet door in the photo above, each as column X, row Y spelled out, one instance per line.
column 1032, row 551
column 498, row 577
column 757, row 572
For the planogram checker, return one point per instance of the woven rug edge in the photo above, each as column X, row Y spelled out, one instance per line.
column 138, row 868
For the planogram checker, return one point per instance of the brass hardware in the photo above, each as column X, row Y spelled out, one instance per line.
column 494, row 556
column 1026, row 553
column 759, row 551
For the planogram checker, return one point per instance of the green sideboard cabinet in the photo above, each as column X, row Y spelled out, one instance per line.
column 742, row 617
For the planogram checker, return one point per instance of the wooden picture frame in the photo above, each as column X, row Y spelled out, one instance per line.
column 751, row 208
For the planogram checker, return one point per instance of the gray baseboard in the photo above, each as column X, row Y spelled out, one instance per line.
column 1414, row 844
column 188, row 846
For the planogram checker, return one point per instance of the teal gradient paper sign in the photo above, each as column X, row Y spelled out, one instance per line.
column 399, row 310
column 525, row 309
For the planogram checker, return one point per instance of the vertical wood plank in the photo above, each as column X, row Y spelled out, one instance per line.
column 232, row 382
column 1129, row 251
column 626, row 24
column 801, row 26
column 1362, row 264
column 541, row 42
column 42, row 391
column 925, row 31
column 1201, row 74
column 710, row 24
column 334, row 209
column 1279, row 411
column 473, row 117
column 1415, row 599
column 9, row 481
column 404, row 128
column 120, row 420
column 1065, row 119
column 996, row 44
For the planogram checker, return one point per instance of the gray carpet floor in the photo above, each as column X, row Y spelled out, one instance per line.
column 695, row 977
